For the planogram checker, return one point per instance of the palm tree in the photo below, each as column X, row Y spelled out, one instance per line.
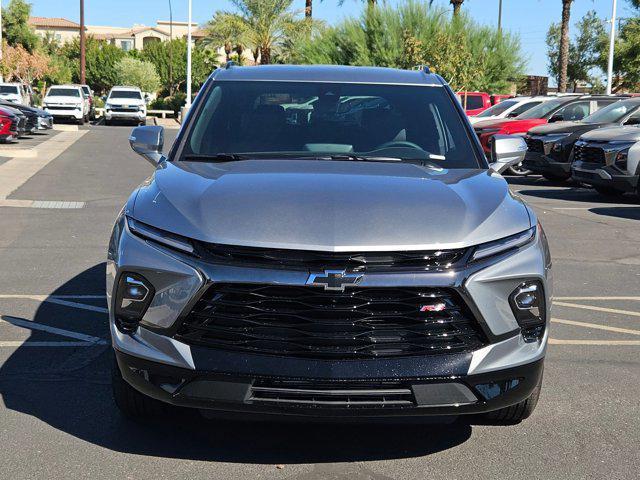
column 266, row 25
column 227, row 31
column 564, row 45
column 308, row 8
column 456, row 5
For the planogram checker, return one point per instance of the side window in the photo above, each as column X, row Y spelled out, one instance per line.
column 523, row 108
column 574, row 111
column 473, row 101
column 634, row 118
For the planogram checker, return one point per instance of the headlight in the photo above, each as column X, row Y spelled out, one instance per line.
column 167, row 239
column 504, row 244
column 528, row 304
column 621, row 158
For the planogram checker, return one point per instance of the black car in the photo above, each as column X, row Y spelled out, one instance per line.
column 32, row 114
column 550, row 146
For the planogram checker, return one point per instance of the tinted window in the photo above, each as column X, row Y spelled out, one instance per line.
column 613, row 112
column 498, row 108
column 125, row 94
column 523, row 108
column 8, row 89
column 313, row 119
column 63, row 92
column 86, row 90
column 473, row 101
column 574, row 111
column 544, row 109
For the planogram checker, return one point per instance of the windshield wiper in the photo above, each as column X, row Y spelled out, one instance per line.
column 214, row 158
column 363, row 158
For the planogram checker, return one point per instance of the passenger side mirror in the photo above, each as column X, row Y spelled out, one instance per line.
column 506, row 151
column 148, row 142
column 558, row 117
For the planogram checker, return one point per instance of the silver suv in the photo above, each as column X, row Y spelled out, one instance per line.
column 330, row 242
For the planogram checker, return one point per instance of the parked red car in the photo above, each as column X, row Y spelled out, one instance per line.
column 476, row 102
column 8, row 126
column 571, row 108
column 497, row 98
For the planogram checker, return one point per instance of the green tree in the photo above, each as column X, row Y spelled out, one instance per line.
column 101, row 60
column 267, row 24
column 626, row 61
column 137, row 73
column 15, row 27
column 162, row 54
column 584, row 50
column 469, row 56
column 228, row 31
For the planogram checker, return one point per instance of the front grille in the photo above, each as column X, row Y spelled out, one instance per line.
column 63, row 107
column 584, row 153
column 307, row 321
column 435, row 260
column 534, row 145
column 341, row 395
column 124, row 109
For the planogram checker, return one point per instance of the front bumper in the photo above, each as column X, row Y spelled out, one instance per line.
column 119, row 115
column 45, row 123
column 65, row 113
column 604, row 176
column 540, row 163
column 162, row 367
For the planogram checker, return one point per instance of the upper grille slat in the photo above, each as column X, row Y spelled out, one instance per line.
column 359, row 322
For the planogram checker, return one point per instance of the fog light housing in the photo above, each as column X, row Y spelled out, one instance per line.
column 133, row 296
column 529, row 307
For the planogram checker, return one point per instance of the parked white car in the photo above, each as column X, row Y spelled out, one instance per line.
column 67, row 101
column 509, row 108
column 125, row 103
column 16, row 93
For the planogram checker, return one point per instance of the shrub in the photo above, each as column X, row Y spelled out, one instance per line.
column 131, row 71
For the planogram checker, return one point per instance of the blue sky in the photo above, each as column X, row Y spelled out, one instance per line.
column 529, row 18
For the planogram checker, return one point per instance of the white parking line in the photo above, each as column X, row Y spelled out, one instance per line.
column 596, row 326
column 635, row 299
column 19, row 322
column 555, row 341
column 598, row 309
column 59, row 300
column 27, row 343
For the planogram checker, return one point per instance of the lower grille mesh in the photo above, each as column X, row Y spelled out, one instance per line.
column 308, row 321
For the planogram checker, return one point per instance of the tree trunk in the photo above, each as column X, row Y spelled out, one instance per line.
column 265, row 55
column 372, row 3
column 227, row 51
column 456, row 6
column 564, row 46
column 308, row 8
column 256, row 54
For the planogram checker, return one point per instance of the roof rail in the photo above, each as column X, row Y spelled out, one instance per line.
column 424, row 68
column 229, row 64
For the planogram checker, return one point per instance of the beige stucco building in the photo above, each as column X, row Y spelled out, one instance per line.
column 126, row 38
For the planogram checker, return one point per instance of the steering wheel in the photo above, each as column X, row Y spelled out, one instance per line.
column 398, row 144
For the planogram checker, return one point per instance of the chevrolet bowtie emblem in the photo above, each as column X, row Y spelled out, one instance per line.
column 334, row 279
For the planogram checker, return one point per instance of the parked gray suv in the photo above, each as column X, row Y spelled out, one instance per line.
column 331, row 242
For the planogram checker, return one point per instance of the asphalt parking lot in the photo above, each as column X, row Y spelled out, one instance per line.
column 57, row 418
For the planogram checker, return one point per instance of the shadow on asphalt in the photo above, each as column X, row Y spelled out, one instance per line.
column 69, row 389
column 630, row 213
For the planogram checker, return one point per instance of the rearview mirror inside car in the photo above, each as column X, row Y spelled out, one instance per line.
column 506, row 151
column 148, row 141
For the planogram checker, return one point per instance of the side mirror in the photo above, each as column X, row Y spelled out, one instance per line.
column 506, row 151
column 148, row 142
column 558, row 117
column 103, row 98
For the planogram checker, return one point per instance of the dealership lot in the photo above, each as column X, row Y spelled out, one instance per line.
column 58, row 418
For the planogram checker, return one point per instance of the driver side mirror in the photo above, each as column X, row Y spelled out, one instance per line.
column 148, row 141
column 506, row 151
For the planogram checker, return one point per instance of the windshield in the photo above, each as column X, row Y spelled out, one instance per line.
column 312, row 119
column 542, row 110
column 8, row 89
column 125, row 94
column 63, row 92
column 614, row 112
column 498, row 108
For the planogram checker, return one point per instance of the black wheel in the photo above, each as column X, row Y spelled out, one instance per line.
column 519, row 171
column 107, row 122
column 81, row 121
column 608, row 191
column 556, row 178
column 518, row 412
column 131, row 402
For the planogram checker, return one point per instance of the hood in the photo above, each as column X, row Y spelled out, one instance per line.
column 329, row 205
column 492, row 123
column 619, row 134
column 60, row 99
column 124, row 101
column 570, row 127
column 10, row 111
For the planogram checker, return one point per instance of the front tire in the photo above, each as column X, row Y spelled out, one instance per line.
column 518, row 412
column 556, row 178
column 130, row 401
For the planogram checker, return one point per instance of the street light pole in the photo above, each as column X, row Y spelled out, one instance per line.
column 82, row 46
column 170, row 50
column 188, row 104
column 612, row 34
